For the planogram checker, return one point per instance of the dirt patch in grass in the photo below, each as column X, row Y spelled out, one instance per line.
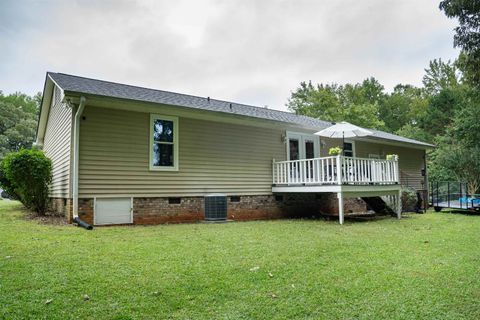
column 48, row 219
column 22, row 213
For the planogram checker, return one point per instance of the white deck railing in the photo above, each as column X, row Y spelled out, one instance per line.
column 336, row 170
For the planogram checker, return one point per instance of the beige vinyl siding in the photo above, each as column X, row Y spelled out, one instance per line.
column 57, row 143
column 213, row 157
column 410, row 161
column 326, row 144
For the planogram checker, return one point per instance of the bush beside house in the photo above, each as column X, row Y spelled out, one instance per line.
column 26, row 176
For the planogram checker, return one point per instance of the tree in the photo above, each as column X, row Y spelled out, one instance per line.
column 319, row 101
column 440, row 75
column 458, row 153
column 458, row 162
column 358, row 104
column 18, row 121
column 414, row 132
column 467, row 119
column 364, row 115
column 372, row 91
column 441, row 110
column 403, row 108
column 25, row 102
column 467, row 34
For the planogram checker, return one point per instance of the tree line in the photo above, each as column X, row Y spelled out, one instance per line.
column 18, row 121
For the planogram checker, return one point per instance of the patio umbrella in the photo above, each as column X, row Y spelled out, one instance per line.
column 343, row 130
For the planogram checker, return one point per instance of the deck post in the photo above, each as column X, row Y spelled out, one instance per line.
column 340, row 207
column 399, row 204
column 339, row 170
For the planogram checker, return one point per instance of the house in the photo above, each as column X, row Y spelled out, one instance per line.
column 124, row 154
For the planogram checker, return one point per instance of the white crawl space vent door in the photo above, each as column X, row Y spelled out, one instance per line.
column 113, row 211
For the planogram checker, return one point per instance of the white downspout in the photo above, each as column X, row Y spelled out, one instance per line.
column 76, row 142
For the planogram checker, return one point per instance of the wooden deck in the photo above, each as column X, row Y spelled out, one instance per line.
column 347, row 177
column 336, row 170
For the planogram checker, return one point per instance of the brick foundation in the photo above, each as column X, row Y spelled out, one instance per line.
column 62, row 206
column 85, row 210
column 158, row 210
column 329, row 205
column 190, row 209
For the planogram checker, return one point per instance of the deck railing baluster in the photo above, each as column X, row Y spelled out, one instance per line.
column 334, row 169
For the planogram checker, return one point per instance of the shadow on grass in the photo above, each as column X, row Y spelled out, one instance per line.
column 371, row 217
column 465, row 212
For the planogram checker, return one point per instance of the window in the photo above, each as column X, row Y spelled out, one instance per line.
column 349, row 149
column 163, row 142
column 309, row 149
column 294, row 149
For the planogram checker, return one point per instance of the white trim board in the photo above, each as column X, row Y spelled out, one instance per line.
column 346, row 190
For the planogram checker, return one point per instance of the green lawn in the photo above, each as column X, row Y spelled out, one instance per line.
column 423, row 266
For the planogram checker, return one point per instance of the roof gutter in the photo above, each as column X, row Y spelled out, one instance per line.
column 76, row 143
column 396, row 143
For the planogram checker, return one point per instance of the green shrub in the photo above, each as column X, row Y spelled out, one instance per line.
column 6, row 185
column 409, row 199
column 26, row 175
column 335, row 151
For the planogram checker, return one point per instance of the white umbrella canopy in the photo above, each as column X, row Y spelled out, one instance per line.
column 343, row 130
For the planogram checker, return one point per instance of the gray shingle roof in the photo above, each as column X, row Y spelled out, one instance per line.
column 390, row 136
column 80, row 85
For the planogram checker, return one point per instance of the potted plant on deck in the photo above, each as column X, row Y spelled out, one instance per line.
column 335, row 151
column 393, row 157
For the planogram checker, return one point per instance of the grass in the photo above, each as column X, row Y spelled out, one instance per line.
column 423, row 266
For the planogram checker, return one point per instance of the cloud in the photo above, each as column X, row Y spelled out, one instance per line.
column 247, row 51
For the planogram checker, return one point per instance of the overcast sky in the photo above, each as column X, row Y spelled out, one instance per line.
column 254, row 52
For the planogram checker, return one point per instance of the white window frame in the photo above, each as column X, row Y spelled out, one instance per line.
column 175, row 143
column 302, row 137
column 353, row 147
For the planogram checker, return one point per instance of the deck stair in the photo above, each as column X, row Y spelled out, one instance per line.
column 378, row 205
